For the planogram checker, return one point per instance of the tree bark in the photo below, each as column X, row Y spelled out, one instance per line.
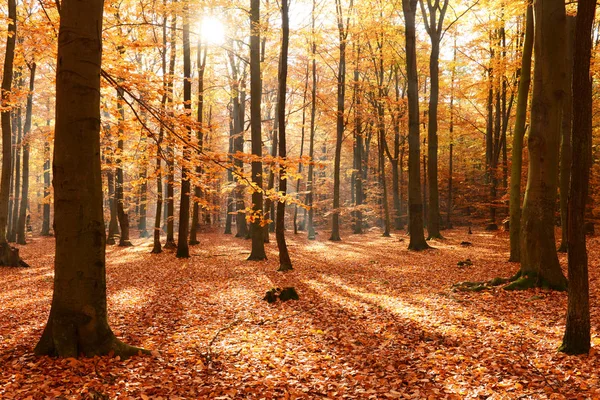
column 256, row 230
column 415, row 200
column 577, row 332
column 517, row 144
column 285, row 263
column 22, row 228
column 565, row 140
column 78, row 318
column 539, row 260
column 310, row 186
column 183, row 250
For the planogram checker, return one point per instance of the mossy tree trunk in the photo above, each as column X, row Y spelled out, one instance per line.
column 539, row 260
column 78, row 318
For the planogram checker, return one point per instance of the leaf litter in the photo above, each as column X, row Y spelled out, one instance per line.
column 374, row 321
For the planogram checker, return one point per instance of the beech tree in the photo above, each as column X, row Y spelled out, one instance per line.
column 539, row 260
column 415, row 199
column 7, row 77
column 256, row 231
column 78, row 318
column 577, row 332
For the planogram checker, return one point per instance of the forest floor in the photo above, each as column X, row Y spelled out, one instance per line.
column 373, row 321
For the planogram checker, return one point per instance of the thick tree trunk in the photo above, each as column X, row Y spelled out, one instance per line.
column 415, row 200
column 22, row 228
column 565, row 140
column 518, row 135
column 577, row 332
column 183, row 250
column 539, row 260
column 256, row 230
column 78, row 318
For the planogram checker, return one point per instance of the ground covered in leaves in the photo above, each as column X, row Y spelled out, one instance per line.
column 373, row 321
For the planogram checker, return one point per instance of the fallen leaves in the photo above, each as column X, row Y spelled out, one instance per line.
column 373, row 321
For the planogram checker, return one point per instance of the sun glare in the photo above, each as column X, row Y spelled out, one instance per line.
column 213, row 31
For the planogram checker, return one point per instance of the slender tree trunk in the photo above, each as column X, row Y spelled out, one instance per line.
column 518, row 135
column 415, row 200
column 46, row 207
column 577, row 332
column 341, row 95
column 565, row 145
column 78, row 321
column 7, row 76
column 119, row 191
column 539, row 260
column 285, row 264
column 303, row 130
column 310, row 185
column 201, row 66
column 183, row 250
column 256, row 230
column 12, row 233
column 22, row 228
column 170, row 150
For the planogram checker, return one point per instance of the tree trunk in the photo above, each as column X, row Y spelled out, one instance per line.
column 285, row 264
column 565, row 145
column 12, row 232
column 170, row 151
column 7, row 76
column 517, row 144
column 201, row 66
column 46, row 207
column 310, row 186
column 22, row 228
column 433, row 26
column 119, row 196
column 78, row 318
column 539, row 260
column 577, row 332
column 183, row 250
column 415, row 200
column 341, row 95
column 256, row 230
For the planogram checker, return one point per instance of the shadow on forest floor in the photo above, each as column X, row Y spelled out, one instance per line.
column 373, row 321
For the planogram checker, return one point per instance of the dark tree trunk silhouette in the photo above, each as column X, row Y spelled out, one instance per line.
column 577, row 332
column 285, row 264
column 256, row 230
column 565, row 138
column 183, row 250
column 415, row 200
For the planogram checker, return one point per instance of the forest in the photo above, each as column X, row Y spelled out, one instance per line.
column 298, row 199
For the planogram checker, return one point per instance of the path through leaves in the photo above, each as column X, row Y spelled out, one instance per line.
column 373, row 321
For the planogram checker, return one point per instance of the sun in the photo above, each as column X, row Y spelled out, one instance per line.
column 212, row 31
